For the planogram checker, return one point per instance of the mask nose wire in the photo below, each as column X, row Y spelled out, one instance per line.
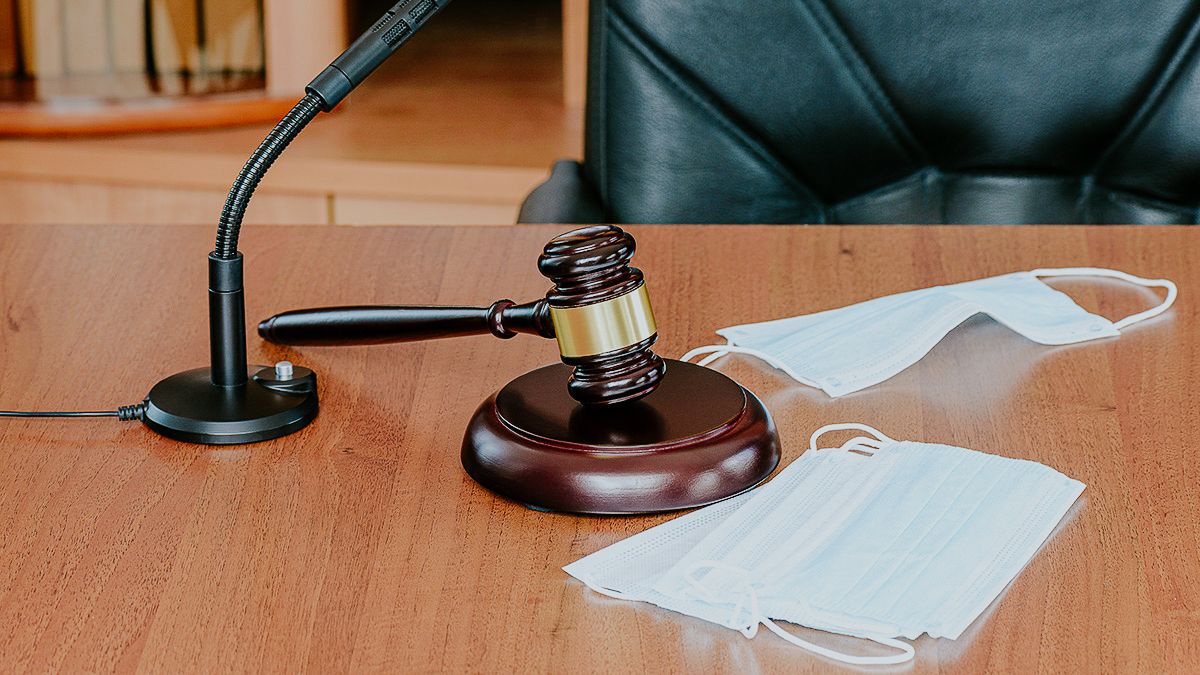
column 749, row 595
column 1171, row 288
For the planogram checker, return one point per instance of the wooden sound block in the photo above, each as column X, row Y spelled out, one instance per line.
column 697, row 439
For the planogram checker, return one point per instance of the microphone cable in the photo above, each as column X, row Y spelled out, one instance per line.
column 323, row 94
column 126, row 413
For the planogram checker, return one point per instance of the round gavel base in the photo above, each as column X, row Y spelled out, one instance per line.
column 699, row 438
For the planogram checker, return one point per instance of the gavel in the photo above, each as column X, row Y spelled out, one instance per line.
column 641, row 442
column 598, row 310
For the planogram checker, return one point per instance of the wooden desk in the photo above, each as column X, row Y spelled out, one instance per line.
column 360, row 545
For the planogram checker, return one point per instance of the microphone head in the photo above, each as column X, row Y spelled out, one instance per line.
column 602, row 316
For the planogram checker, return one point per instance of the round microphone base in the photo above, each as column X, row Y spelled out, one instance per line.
column 698, row 438
column 189, row 407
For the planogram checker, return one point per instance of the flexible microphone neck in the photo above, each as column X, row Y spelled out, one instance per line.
column 227, row 316
column 230, row 402
column 323, row 94
column 256, row 168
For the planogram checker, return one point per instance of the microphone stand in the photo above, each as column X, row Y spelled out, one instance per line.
column 230, row 402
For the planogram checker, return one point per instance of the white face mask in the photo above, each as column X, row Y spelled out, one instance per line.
column 876, row 539
column 844, row 350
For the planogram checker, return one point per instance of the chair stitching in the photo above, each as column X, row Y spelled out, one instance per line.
column 867, row 79
column 915, row 178
column 1083, row 201
column 673, row 73
column 1163, row 81
column 1120, row 196
column 670, row 71
column 1132, row 199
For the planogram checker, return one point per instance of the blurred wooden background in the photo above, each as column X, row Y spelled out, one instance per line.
column 457, row 128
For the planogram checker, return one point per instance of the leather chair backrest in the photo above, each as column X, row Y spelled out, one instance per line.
column 896, row 111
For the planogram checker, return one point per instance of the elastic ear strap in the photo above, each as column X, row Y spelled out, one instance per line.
column 907, row 653
column 1172, row 289
column 698, row 587
column 812, row 441
column 864, row 444
column 717, row 351
column 714, row 352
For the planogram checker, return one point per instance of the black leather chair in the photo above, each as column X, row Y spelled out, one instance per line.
column 886, row 111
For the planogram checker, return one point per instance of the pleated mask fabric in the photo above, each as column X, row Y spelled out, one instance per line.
column 848, row 349
column 877, row 539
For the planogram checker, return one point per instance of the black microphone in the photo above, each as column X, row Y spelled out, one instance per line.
column 374, row 47
column 231, row 402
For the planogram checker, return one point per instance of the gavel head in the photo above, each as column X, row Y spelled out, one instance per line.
column 602, row 316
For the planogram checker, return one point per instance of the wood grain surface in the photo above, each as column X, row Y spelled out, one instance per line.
column 359, row 545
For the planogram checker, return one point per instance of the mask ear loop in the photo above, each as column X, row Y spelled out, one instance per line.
column 907, row 652
column 714, row 352
column 1171, row 288
column 717, row 351
column 748, row 594
column 698, row 588
column 881, row 437
column 862, row 445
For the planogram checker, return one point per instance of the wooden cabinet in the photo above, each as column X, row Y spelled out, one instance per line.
column 575, row 46
column 301, row 42
column 45, row 201
column 94, row 182
column 457, row 128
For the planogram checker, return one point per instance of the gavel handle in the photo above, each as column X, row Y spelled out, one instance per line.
column 384, row 325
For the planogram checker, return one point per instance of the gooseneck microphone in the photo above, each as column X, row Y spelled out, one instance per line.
column 230, row 402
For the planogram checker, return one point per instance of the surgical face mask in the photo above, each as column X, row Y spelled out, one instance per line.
column 844, row 350
column 876, row 539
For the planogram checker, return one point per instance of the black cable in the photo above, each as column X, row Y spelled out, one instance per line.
column 126, row 413
column 256, row 167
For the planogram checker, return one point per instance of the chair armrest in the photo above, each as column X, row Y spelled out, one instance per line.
column 566, row 198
